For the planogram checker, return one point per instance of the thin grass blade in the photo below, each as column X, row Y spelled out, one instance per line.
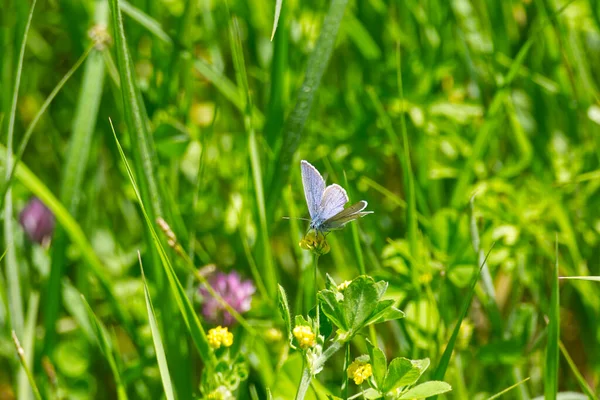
column 25, row 366
column 276, row 19
column 508, row 389
column 583, row 384
column 552, row 348
column 161, row 358
column 186, row 309
column 26, row 390
column 15, row 304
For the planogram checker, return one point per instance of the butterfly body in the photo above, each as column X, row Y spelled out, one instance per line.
column 326, row 203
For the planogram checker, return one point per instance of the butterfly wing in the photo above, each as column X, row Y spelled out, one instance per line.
column 314, row 186
column 351, row 213
column 333, row 201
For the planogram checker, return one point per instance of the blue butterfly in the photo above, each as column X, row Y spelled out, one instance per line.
column 326, row 204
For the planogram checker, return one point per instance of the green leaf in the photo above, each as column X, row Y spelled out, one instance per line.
column 426, row 389
column 384, row 311
column 161, row 358
column 378, row 363
column 332, row 308
column 360, row 299
column 404, row 372
column 284, row 309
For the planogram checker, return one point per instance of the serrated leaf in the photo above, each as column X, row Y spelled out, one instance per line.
column 431, row 388
column 404, row 372
column 378, row 363
column 284, row 309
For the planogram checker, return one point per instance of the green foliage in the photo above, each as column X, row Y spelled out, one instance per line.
column 418, row 107
column 357, row 306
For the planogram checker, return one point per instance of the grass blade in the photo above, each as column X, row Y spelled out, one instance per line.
column 106, row 347
column 76, row 162
column 15, row 304
column 580, row 379
column 152, row 25
column 188, row 313
column 26, row 388
column 508, row 389
column 137, row 123
column 276, row 19
column 552, row 348
column 581, row 278
column 34, row 122
column 24, row 365
column 161, row 358
column 440, row 370
column 294, row 125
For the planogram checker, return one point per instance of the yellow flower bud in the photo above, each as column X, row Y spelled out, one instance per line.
column 305, row 336
column 273, row 335
column 219, row 336
column 343, row 285
column 359, row 371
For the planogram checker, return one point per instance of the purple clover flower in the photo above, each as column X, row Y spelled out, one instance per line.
column 37, row 221
column 236, row 292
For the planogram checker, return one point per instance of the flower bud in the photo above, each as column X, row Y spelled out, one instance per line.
column 37, row 221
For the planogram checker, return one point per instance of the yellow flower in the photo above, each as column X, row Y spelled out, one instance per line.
column 219, row 336
column 425, row 278
column 343, row 285
column 315, row 241
column 305, row 336
column 273, row 335
column 359, row 371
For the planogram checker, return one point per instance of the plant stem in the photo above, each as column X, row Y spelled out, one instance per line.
column 304, row 383
column 344, row 374
column 315, row 291
column 317, row 365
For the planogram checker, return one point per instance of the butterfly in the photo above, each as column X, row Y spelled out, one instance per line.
column 326, row 204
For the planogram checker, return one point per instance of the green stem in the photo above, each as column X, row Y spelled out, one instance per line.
column 315, row 270
column 304, row 383
column 344, row 374
column 316, row 365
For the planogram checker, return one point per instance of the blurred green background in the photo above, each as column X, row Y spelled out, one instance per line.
column 495, row 101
